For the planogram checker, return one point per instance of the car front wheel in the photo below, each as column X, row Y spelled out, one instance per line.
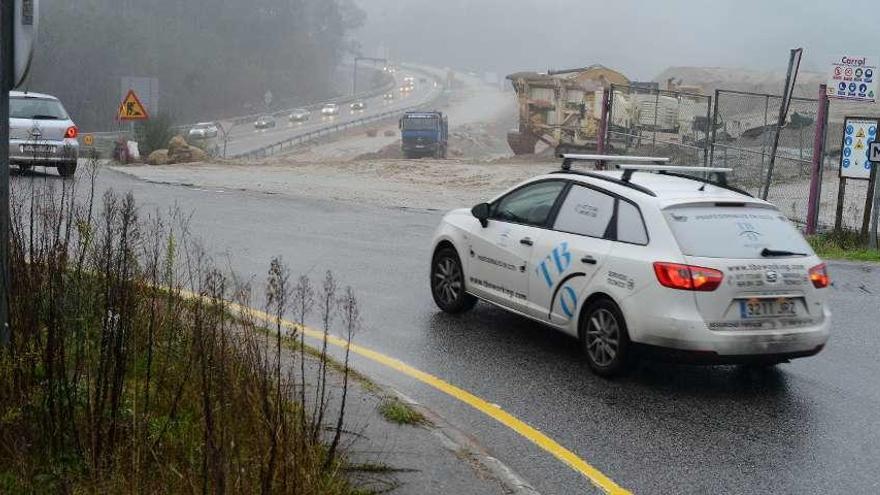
column 604, row 338
column 447, row 282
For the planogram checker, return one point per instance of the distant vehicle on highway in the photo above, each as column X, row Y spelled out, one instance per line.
column 358, row 106
column 424, row 134
column 41, row 133
column 633, row 262
column 300, row 115
column 388, row 96
column 265, row 122
column 330, row 110
column 204, row 130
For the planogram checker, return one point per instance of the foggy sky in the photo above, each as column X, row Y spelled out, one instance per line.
column 640, row 38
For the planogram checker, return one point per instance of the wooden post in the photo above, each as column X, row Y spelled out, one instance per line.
column 841, row 194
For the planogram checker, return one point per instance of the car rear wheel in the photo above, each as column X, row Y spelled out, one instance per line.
column 447, row 282
column 67, row 169
column 604, row 338
column 24, row 167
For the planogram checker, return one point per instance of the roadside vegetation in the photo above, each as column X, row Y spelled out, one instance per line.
column 843, row 245
column 128, row 371
column 396, row 411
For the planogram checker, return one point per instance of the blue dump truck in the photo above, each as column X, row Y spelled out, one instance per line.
column 424, row 134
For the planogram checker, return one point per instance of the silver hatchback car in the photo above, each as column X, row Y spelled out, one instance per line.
column 41, row 133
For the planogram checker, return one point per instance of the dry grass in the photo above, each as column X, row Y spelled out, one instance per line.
column 110, row 385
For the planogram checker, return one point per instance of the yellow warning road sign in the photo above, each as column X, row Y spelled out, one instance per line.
column 861, row 133
column 860, row 145
column 88, row 140
column 132, row 108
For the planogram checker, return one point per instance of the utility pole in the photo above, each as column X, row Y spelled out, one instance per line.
column 7, row 76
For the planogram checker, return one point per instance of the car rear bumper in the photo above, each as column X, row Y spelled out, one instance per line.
column 693, row 338
column 50, row 152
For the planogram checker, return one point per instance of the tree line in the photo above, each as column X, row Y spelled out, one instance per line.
column 212, row 58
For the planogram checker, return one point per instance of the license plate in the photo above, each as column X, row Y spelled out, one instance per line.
column 767, row 308
column 38, row 148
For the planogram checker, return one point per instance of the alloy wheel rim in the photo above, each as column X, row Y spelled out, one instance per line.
column 447, row 280
column 603, row 337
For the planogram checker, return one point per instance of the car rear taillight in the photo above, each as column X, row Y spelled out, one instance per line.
column 687, row 277
column 819, row 276
column 72, row 132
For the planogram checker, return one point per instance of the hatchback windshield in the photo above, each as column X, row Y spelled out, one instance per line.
column 36, row 109
column 734, row 232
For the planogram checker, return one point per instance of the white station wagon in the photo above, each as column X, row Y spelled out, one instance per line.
column 640, row 260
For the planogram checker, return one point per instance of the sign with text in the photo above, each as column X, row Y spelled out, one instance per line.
column 853, row 78
column 874, row 152
column 858, row 134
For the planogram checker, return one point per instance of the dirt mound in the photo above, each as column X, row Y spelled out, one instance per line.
column 178, row 152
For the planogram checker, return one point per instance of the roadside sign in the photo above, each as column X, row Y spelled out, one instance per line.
column 859, row 134
column 854, row 78
column 874, row 151
column 132, row 108
column 88, row 140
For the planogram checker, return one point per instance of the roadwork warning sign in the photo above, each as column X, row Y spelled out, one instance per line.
column 132, row 108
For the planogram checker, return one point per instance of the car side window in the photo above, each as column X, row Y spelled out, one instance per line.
column 586, row 212
column 630, row 225
column 530, row 205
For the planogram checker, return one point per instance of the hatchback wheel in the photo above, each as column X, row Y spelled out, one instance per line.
column 604, row 338
column 67, row 169
column 447, row 282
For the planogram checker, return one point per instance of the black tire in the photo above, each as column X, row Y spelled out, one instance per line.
column 447, row 282
column 24, row 167
column 605, row 339
column 67, row 169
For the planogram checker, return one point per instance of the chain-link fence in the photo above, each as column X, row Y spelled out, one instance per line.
column 648, row 121
column 744, row 131
column 736, row 130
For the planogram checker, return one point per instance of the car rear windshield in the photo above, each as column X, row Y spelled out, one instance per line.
column 419, row 124
column 740, row 232
column 36, row 109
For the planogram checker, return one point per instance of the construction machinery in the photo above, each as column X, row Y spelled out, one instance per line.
column 561, row 108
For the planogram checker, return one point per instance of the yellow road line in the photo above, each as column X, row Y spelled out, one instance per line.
column 523, row 429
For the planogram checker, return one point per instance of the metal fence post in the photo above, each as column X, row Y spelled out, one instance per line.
column 818, row 156
column 603, row 121
column 710, row 121
column 714, row 124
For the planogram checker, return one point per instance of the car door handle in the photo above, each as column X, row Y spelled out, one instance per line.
column 588, row 260
column 526, row 241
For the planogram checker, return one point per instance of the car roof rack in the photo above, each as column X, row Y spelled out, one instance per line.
column 608, row 178
column 719, row 173
column 569, row 158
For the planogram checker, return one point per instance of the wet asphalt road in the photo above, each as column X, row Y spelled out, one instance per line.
column 805, row 427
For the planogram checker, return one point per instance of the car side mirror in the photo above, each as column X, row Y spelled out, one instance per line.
column 481, row 213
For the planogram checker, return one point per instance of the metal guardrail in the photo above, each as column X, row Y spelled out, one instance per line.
column 300, row 139
column 317, row 133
